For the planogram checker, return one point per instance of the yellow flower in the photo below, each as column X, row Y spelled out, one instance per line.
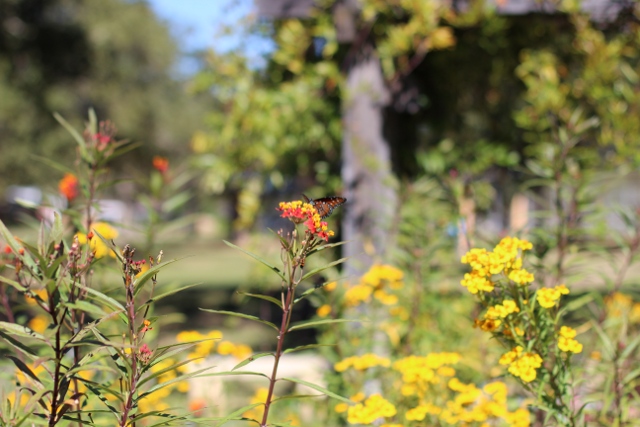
column 242, row 351
column 548, row 297
column 566, row 341
column 226, row 347
column 362, row 363
column 323, row 310
column 522, row 365
column 373, row 408
column 42, row 293
column 331, row 286
column 39, row 323
column 500, row 311
column 341, row 407
column 97, row 245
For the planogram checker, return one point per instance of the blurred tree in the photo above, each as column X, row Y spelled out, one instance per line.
column 68, row 55
column 418, row 87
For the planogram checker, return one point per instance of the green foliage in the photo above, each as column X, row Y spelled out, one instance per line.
column 63, row 56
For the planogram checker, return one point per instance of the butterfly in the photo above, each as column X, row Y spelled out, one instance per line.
column 325, row 205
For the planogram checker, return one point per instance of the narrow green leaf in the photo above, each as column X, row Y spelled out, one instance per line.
column 264, row 297
column 315, row 323
column 242, row 315
column 21, row 331
column 144, row 277
column 24, row 368
column 318, row 388
column 104, row 298
column 51, row 163
column 57, row 229
column 171, row 382
column 319, row 269
column 74, row 133
column 257, row 258
column 15, row 247
column 307, row 347
column 327, row 246
column 13, row 283
column 251, row 359
column 166, row 294
column 235, row 415
column 18, row 345
column 87, row 307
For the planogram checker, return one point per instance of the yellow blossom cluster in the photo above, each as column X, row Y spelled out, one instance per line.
column 361, row 363
column 97, row 245
column 566, row 341
column 157, row 401
column 420, row 371
column 500, row 311
column 505, row 258
column 207, row 345
column 621, row 305
column 259, row 397
column 376, row 282
column 548, row 297
column 522, row 365
column 370, row 410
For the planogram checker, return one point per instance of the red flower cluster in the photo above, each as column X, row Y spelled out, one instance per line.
column 298, row 212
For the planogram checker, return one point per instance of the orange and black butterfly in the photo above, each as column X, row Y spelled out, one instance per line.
column 325, row 205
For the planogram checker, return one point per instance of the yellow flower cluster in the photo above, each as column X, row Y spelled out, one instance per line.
column 500, row 311
column 97, row 245
column 373, row 408
column 420, row 371
column 566, row 341
column 504, row 259
column 548, row 297
column 208, row 345
column 622, row 305
column 522, row 365
column 474, row 405
column 157, row 401
column 361, row 363
column 375, row 282
column 260, row 396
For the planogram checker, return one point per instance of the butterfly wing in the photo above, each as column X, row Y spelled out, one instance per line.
column 326, row 205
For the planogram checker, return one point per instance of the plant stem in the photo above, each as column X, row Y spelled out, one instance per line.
column 284, row 325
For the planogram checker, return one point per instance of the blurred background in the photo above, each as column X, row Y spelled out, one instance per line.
column 445, row 125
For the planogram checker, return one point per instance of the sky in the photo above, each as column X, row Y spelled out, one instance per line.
column 195, row 22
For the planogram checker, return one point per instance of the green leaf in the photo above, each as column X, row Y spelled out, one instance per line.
column 24, row 368
column 171, row 382
column 176, row 202
column 251, row 359
column 74, row 133
column 235, row 415
column 307, row 347
column 327, row 246
column 19, row 345
column 13, row 283
column 21, row 331
column 104, row 298
column 243, row 316
column 319, row 269
column 166, row 294
column 87, row 307
column 257, row 258
column 321, row 322
column 264, row 297
column 318, row 388
column 13, row 244
column 144, row 277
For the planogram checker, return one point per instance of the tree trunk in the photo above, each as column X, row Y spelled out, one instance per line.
column 370, row 186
